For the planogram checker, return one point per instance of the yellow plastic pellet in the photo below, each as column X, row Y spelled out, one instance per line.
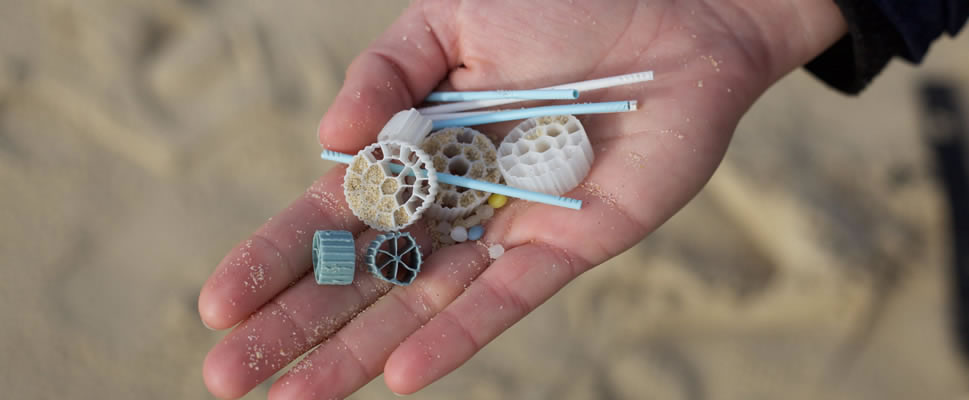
column 497, row 200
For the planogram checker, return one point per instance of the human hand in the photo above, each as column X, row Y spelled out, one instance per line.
column 712, row 59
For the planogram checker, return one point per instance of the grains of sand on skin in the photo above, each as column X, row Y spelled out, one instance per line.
column 257, row 277
column 257, row 355
column 636, row 159
column 713, row 62
column 596, row 190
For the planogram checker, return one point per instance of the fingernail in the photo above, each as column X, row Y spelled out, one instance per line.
column 207, row 326
column 398, row 394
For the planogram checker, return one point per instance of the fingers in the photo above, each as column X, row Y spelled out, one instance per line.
column 295, row 321
column 356, row 354
column 277, row 254
column 393, row 74
column 522, row 279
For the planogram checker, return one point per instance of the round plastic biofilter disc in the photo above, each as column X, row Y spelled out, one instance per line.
column 546, row 154
column 394, row 257
column 383, row 199
column 461, row 152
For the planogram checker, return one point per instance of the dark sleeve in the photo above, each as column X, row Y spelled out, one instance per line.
column 879, row 30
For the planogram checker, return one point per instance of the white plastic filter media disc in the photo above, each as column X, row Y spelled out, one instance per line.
column 461, row 152
column 385, row 200
column 546, row 154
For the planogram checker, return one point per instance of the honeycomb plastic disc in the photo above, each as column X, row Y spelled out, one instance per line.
column 382, row 199
column 546, row 154
column 461, row 152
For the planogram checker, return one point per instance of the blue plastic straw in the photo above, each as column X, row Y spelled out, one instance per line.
column 582, row 86
column 475, row 184
column 538, row 94
column 525, row 113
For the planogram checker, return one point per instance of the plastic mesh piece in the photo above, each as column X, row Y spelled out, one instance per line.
column 334, row 257
column 407, row 126
column 461, row 152
column 546, row 154
column 394, row 257
column 383, row 200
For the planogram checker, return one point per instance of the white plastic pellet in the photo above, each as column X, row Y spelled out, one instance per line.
column 459, row 234
column 495, row 251
column 443, row 227
column 485, row 211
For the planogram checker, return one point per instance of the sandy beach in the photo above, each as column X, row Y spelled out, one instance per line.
column 139, row 141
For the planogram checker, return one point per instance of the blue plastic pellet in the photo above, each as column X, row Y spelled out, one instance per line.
column 476, row 232
column 334, row 257
column 394, row 257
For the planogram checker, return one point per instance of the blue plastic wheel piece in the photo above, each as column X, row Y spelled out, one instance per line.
column 476, row 232
column 394, row 257
column 334, row 257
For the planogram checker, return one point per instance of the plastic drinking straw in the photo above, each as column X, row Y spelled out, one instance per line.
column 525, row 113
column 489, row 187
column 435, row 117
column 538, row 94
column 582, row 86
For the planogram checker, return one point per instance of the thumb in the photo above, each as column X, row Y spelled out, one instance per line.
column 398, row 70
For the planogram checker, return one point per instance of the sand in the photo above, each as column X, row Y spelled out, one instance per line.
column 139, row 141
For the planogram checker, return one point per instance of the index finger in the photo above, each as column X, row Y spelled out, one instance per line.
column 275, row 255
column 401, row 67
column 406, row 63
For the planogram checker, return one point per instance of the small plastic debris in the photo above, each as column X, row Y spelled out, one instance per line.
column 394, row 257
column 334, row 257
column 471, row 221
column 546, row 154
column 407, row 126
column 485, row 211
column 443, row 227
column 385, row 201
column 497, row 200
column 462, row 152
column 459, row 234
column 476, row 232
column 495, row 251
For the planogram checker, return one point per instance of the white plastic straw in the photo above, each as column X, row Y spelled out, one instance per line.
column 583, row 86
column 539, row 94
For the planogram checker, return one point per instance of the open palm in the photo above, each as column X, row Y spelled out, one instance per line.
column 711, row 61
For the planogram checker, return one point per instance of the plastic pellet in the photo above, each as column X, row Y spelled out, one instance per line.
column 485, row 211
column 476, row 232
column 459, row 234
column 497, row 200
column 495, row 251
column 443, row 227
column 472, row 221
